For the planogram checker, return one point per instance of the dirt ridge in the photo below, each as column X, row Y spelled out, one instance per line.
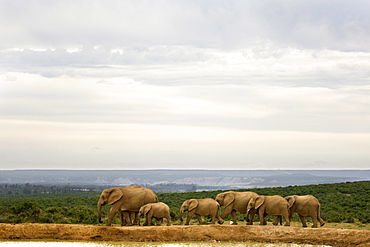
column 322, row 236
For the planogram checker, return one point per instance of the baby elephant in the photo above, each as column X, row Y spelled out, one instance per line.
column 158, row 210
column 201, row 207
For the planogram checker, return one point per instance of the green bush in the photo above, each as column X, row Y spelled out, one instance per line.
column 343, row 202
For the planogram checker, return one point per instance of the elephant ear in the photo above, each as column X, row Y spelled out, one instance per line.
column 146, row 208
column 259, row 201
column 193, row 204
column 114, row 195
column 291, row 200
column 228, row 199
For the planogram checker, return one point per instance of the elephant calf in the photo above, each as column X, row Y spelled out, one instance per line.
column 158, row 210
column 201, row 207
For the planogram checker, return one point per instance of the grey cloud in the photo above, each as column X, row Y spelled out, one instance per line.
column 334, row 24
column 262, row 63
column 100, row 56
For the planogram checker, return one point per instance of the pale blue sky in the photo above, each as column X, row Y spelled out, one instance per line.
column 185, row 84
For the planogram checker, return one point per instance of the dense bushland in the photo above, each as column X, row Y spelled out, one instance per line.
column 343, row 202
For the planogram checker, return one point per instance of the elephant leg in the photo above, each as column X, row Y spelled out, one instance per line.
column 125, row 218
column 220, row 220
column 314, row 221
column 262, row 218
column 149, row 220
column 233, row 216
column 213, row 219
column 322, row 222
column 149, row 217
column 146, row 220
column 287, row 221
column 136, row 218
column 252, row 212
column 159, row 221
column 168, row 218
column 249, row 216
column 123, row 223
column 190, row 214
column 304, row 224
column 227, row 211
column 277, row 221
column 113, row 210
column 290, row 216
column 199, row 219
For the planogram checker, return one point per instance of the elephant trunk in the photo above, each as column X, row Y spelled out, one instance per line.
column 181, row 212
column 99, row 212
column 247, row 216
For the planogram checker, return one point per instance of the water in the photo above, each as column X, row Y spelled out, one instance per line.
column 149, row 244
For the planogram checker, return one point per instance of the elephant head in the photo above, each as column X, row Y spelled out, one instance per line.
column 188, row 205
column 145, row 209
column 108, row 196
column 255, row 203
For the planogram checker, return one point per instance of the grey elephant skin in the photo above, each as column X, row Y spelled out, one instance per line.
column 269, row 205
column 305, row 206
column 234, row 202
column 158, row 210
column 201, row 207
column 125, row 200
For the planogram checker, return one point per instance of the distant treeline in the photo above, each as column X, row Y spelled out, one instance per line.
column 27, row 188
column 343, row 202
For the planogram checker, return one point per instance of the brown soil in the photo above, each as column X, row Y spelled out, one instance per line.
column 256, row 233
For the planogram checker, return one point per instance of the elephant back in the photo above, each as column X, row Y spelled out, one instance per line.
column 136, row 196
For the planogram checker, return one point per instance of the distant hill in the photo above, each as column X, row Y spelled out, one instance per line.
column 217, row 179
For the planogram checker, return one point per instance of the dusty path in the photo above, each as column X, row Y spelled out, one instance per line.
column 325, row 236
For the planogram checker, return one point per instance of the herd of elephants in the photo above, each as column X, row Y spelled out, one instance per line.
column 143, row 201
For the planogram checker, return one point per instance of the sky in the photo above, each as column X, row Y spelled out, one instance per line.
column 195, row 84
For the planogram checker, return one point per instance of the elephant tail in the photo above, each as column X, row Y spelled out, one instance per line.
column 322, row 222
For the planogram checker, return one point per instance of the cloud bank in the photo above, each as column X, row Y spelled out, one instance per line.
column 184, row 84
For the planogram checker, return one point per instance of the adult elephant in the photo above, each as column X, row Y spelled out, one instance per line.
column 234, row 202
column 201, row 207
column 272, row 205
column 126, row 200
column 305, row 206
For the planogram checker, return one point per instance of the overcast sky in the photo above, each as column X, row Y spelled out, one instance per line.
column 193, row 84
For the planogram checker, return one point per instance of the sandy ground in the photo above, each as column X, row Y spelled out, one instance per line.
column 322, row 236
